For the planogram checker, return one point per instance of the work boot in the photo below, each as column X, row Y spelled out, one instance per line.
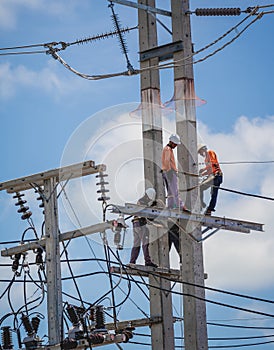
column 151, row 264
column 208, row 211
column 185, row 210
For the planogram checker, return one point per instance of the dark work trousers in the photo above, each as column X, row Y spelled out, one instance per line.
column 141, row 237
column 173, row 237
column 214, row 183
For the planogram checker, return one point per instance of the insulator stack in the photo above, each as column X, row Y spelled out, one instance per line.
column 6, row 338
column 40, row 198
column 23, row 208
column 73, row 316
column 102, row 36
column 39, row 256
column 128, row 334
column 100, row 317
column 117, row 238
column 101, row 176
column 92, row 315
column 35, row 322
column 69, row 344
column 15, row 263
column 92, row 320
column 123, row 45
column 27, row 325
column 233, row 11
column 96, row 338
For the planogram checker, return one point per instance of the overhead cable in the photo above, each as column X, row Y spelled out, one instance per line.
column 239, row 345
column 216, row 290
column 259, row 16
column 53, row 51
column 62, row 45
column 245, row 194
column 211, row 301
column 247, row 162
column 238, row 326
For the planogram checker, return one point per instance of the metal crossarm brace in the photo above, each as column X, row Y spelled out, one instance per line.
column 204, row 220
column 62, row 237
column 61, row 174
column 143, row 7
column 140, row 270
column 141, row 322
column 209, row 234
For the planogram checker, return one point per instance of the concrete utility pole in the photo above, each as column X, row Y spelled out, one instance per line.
column 54, row 282
column 192, row 269
column 195, row 326
column 162, row 334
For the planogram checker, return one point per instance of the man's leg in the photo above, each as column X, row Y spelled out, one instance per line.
column 145, row 247
column 136, row 245
column 214, row 192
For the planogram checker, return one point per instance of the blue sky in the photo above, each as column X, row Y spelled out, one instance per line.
column 52, row 117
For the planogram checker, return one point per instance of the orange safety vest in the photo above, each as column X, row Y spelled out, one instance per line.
column 212, row 164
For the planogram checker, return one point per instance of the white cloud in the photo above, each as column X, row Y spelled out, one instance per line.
column 47, row 79
column 10, row 10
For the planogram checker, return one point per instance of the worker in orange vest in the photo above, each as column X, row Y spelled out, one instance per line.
column 213, row 177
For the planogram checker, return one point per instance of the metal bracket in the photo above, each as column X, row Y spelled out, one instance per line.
column 210, row 234
column 164, row 52
column 142, row 7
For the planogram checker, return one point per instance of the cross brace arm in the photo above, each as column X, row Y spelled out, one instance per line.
column 143, row 7
column 204, row 220
column 101, row 227
column 61, row 174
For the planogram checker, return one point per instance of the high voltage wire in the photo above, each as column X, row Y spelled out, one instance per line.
column 247, row 162
column 179, row 293
column 63, row 45
column 164, row 66
column 210, row 347
column 53, row 50
column 216, row 338
column 155, row 274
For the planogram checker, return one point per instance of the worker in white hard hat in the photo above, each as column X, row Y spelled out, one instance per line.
column 169, row 172
column 213, row 177
column 141, row 231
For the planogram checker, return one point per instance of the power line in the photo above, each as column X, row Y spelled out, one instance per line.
column 218, row 290
column 238, row 326
column 53, row 51
column 62, row 44
column 246, row 194
column 211, row 301
column 247, row 162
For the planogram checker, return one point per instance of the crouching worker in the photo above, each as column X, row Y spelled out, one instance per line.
column 141, row 231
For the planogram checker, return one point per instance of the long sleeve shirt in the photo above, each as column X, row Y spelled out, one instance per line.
column 212, row 164
column 168, row 160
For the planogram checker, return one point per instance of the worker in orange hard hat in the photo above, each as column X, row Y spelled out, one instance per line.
column 213, row 177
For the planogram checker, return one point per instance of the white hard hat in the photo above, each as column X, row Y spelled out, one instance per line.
column 201, row 146
column 175, row 139
column 151, row 193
